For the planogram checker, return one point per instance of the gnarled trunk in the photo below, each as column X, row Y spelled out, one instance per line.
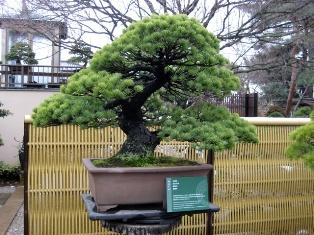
column 140, row 141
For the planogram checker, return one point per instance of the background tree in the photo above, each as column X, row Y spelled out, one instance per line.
column 230, row 20
column 286, row 47
column 82, row 53
column 145, row 78
column 274, row 73
column 3, row 113
column 108, row 17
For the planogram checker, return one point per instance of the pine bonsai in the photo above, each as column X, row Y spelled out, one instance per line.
column 21, row 52
column 153, row 74
column 302, row 146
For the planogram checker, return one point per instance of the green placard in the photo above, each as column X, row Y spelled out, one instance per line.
column 187, row 193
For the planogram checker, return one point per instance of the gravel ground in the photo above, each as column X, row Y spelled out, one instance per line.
column 17, row 226
column 5, row 192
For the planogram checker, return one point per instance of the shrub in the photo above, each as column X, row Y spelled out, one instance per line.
column 303, row 112
column 275, row 114
column 8, row 172
column 302, row 146
column 275, row 109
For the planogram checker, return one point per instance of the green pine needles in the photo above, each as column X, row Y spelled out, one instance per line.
column 153, row 74
column 302, row 146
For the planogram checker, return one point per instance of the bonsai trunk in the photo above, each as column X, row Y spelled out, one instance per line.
column 140, row 140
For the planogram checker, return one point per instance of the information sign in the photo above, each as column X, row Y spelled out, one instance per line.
column 187, row 193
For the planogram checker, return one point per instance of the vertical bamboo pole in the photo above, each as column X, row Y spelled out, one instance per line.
column 26, row 150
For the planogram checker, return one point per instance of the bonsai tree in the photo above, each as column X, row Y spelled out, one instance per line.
column 3, row 113
column 155, row 73
column 302, row 146
column 21, row 52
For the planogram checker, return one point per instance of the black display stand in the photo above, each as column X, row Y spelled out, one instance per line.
column 149, row 219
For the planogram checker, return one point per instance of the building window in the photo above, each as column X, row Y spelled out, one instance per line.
column 15, row 37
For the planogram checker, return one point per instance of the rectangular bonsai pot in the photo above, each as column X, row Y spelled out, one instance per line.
column 134, row 185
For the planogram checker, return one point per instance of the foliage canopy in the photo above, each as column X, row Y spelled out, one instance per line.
column 153, row 74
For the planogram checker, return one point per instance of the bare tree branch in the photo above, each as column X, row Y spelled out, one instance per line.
column 151, row 7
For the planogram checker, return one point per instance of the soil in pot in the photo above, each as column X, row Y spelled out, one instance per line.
column 142, row 161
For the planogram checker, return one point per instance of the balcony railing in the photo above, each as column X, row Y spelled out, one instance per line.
column 34, row 76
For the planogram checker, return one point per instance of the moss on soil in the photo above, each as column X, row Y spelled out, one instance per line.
column 142, row 161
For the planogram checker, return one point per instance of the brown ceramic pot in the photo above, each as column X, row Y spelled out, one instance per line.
column 134, row 185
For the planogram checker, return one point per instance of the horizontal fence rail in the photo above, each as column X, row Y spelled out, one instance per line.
column 258, row 189
column 34, row 76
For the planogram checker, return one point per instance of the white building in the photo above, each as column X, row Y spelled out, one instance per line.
column 24, row 88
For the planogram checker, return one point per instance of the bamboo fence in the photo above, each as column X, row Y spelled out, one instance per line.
column 259, row 190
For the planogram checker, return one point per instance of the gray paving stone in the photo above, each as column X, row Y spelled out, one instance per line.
column 17, row 225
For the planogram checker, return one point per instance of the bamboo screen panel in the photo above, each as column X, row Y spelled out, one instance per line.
column 258, row 189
